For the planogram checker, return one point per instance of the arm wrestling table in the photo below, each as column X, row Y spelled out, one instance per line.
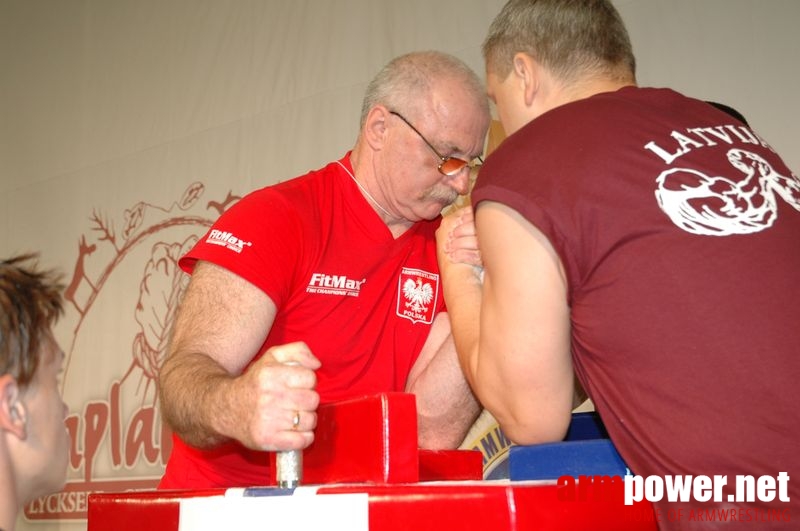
column 365, row 472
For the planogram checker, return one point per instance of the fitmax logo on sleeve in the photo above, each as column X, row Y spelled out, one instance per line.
column 228, row 240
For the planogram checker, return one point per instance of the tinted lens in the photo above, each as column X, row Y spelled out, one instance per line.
column 452, row 165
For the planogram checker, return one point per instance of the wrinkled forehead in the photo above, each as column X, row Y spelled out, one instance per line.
column 459, row 91
column 454, row 106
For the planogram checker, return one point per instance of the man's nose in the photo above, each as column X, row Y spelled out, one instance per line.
column 460, row 181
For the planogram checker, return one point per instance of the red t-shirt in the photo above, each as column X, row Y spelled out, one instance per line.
column 362, row 300
column 679, row 230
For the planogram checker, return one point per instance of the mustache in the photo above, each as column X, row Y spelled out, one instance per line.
column 440, row 194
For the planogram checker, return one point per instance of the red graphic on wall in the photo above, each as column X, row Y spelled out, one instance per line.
column 125, row 290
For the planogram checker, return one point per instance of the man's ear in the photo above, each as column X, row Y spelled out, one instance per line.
column 13, row 415
column 375, row 126
column 526, row 70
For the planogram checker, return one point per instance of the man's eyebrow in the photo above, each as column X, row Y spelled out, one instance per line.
column 452, row 150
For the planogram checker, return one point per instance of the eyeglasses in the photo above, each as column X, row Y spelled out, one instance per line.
column 449, row 165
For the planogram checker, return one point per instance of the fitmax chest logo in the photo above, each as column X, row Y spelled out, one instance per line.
column 334, row 285
column 228, row 240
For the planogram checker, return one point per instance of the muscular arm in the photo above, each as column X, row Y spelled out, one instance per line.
column 446, row 407
column 512, row 333
column 206, row 397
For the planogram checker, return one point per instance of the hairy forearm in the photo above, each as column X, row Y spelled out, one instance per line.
column 194, row 398
column 445, row 428
column 446, row 407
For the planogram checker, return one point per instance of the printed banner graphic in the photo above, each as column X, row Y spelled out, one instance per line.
column 131, row 275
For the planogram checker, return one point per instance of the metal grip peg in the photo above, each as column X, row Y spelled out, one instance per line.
column 289, row 463
column 289, row 469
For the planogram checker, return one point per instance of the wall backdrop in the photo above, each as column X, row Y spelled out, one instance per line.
column 126, row 127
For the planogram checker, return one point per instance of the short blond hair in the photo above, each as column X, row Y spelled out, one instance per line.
column 572, row 38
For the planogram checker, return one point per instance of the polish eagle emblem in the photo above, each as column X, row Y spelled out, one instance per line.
column 418, row 294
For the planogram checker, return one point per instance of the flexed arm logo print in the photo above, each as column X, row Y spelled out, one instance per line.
column 720, row 206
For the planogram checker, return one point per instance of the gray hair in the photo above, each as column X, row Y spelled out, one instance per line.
column 571, row 38
column 410, row 77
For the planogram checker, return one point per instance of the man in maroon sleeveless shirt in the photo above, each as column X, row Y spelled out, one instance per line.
column 643, row 240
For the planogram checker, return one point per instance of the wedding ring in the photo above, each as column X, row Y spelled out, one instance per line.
column 296, row 420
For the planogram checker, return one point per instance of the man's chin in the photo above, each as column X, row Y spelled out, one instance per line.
column 433, row 214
